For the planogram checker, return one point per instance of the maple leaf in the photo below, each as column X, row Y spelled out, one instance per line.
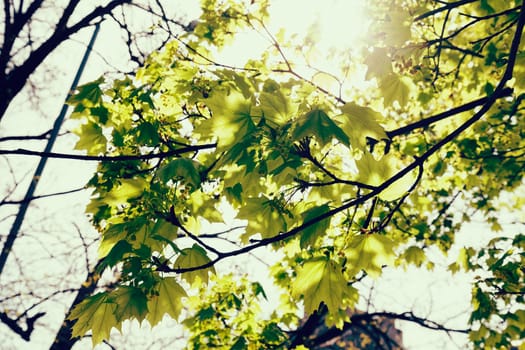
column 91, row 139
column 376, row 172
column 319, row 124
column 361, row 123
column 263, row 218
column 168, row 301
column 320, row 280
column 192, row 257
column 231, row 120
column 96, row 313
column 131, row 303
column 309, row 235
column 394, row 88
column 369, row 252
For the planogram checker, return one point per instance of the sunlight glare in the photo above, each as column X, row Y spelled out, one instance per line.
column 335, row 22
column 327, row 25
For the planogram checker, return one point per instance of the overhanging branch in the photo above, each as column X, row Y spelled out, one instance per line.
column 188, row 149
column 505, row 92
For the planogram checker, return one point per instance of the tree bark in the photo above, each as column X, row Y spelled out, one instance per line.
column 63, row 339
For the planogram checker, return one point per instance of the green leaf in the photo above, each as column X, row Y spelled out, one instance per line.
column 95, row 313
column 184, row 168
column 101, row 113
column 396, row 29
column 415, row 255
column 361, row 123
column 117, row 252
column 272, row 333
column 89, row 92
column 114, row 234
column 379, row 64
column 258, row 289
column 193, row 257
column 131, row 303
column 230, row 121
column 91, row 139
column 317, row 123
column 240, row 344
column 275, row 106
column 320, row 280
column 147, row 134
column 394, row 88
column 167, row 301
column 310, row 234
column 263, row 217
column 375, row 172
column 369, row 252
column 126, row 190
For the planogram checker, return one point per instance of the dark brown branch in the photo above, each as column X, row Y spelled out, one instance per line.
column 8, row 202
column 174, row 220
column 13, row 324
column 390, row 215
column 302, row 149
column 476, row 19
column 43, row 136
column 313, row 331
column 409, row 316
column 175, row 152
column 505, row 92
column 66, row 14
column 447, row 7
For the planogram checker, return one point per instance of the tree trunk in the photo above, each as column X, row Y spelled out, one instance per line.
column 63, row 340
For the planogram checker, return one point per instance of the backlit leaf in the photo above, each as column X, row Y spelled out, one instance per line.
column 90, row 92
column 379, row 64
column 181, row 168
column 320, row 280
column 370, row 252
column 310, row 234
column 317, row 123
column 394, row 88
column 167, row 301
column 95, row 313
column 131, row 303
column 376, row 172
column 194, row 257
column 263, row 218
column 359, row 123
column 91, row 139
column 230, row 120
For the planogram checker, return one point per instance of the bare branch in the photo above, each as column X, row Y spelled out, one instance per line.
column 505, row 92
column 43, row 136
column 447, row 7
column 13, row 324
column 8, row 202
column 175, row 152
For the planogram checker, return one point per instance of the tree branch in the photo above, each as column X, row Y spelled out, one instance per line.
column 8, row 202
column 447, row 7
column 505, row 92
column 409, row 316
column 43, row 136
column 13, row 325
column 175, row 152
